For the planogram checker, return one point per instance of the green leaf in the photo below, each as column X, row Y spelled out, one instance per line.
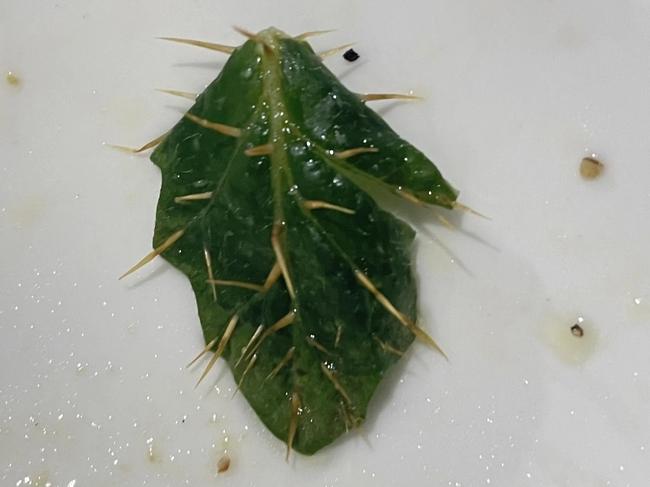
column 344, row 307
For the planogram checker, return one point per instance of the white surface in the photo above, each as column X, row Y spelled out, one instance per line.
column 93, row 389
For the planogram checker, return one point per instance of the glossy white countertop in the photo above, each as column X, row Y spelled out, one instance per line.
column 93, row 385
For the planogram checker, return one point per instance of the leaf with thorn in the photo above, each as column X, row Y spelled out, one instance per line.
column 303, row 283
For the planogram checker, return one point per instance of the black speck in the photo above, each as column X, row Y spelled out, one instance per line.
column 577, row 331
column 350, row 55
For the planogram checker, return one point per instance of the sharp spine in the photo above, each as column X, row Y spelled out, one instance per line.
column 388, row 348
column 283, row 322
column 335, row 50
column 207, row 348
column 409, row 197
column 181, row 94
column 279, row 255
column 220, row 348
column 149, row 145
column 215, row 126
column 155, row 252
column 365, row 97
column 260, row 150
column 337, row 385
column 312, row 33
column 244, row 285
column 460, row 206
column 324, row 205
column 207, row 45
column 246, row 33
column 346, row 154
column 446, row 223
column 243, row 376
column 208, row 264
column 284, row 361
column 312, row 341
column 401, row 317
column 254, row 37
column 193, row 197
column 293, row 421
column 254, row 337
column 273, row 276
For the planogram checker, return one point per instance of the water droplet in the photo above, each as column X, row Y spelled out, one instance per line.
column 247, row 73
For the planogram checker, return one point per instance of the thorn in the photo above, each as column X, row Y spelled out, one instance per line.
column 277, row 248
column 193, row 197
column 339, row 330
column 273, row 276
column 458, row 205
column 345, row 415
column 181, row 94
column 388, row 348
column 260, row 150
column 293, row 422
column 243, row 376
column 424, row 337
column 364, row 97
column 254, row 37
column 337, row 385
column 207, row 348
column 409, row 197
column 245, row 33
column 207, row 45
column 217, row 127
column 445, row 222
column 312, row 33
column 256, row 334
column 346, row 154
column 333, row 51
column 312, row 341
column 245, row 285
column 285, row 360
column 208, row 264
column 401, row 317
column 149, row 145
column 154, row 253
column 220, row 348
column 283, row 322
column 324, row 205
column 350, row 420
column 268, row 50
column 383, row 300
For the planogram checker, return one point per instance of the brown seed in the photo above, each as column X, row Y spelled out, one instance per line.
column 577, row 331
column 350, row 55
column 591, row 168
column 223, row 464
